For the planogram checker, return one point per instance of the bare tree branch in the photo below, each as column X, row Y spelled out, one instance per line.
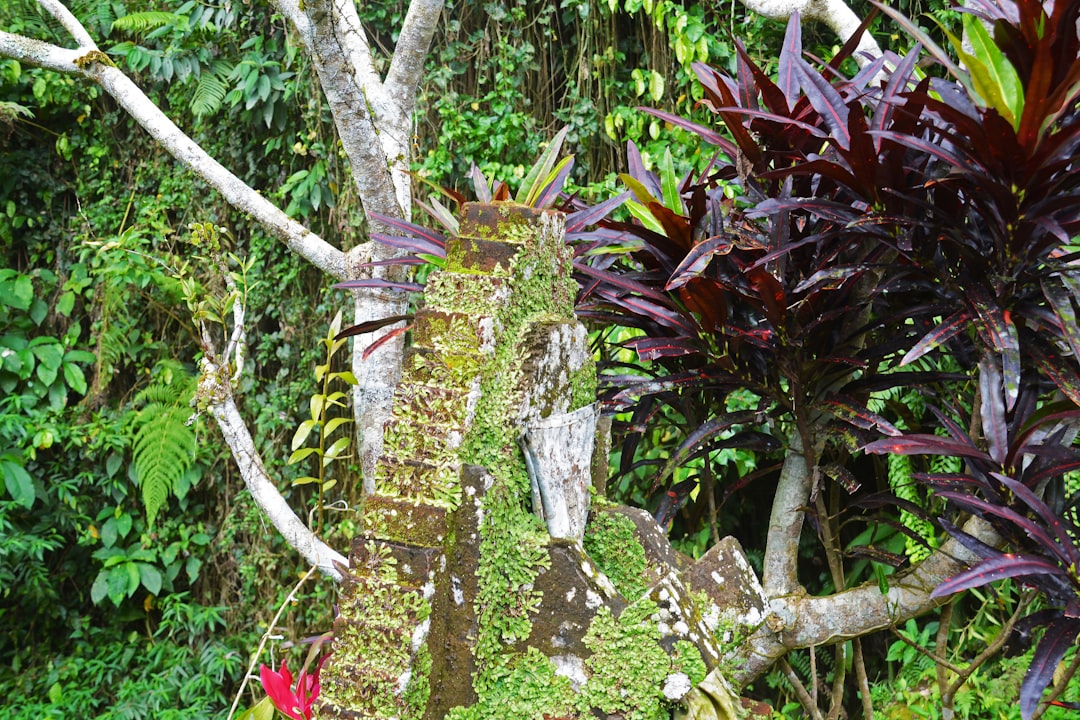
column 412, row 47
column 805, row 621
column 835, row 14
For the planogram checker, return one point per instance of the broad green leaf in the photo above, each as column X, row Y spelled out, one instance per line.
column 74, row 377
column 17, row 293
column 192, row 567
column 647, row 218
column 264, row 710
column 320, row 370
column 656, row 86
column 346, row 377
column 109, row 532
column 66, row 303
column 335, row 423
column 318, row 404
column 38, row 311
column 45, row 374
column 150, row 577
column 302, row 433
column 100, row 588
column 134, row 578
column 123, row 524
column 19, row 484
column 993, row 74
column 118, row 583
column 302, row 453
column 339, row 446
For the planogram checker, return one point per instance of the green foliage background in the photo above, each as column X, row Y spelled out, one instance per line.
column 136, row 575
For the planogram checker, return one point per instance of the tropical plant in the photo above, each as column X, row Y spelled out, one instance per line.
column 851, row 239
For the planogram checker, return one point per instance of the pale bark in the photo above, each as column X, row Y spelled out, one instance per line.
column 266, row 495
column 779, row 577
column 374, row 122
column 835, row 14
column 803, row 621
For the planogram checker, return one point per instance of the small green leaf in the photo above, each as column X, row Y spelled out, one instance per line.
column 669, row 183
column 263, row 711
column 18, row 293
column 100, row 588
column 647, row 218
column 134, row 578
column 318, row 404
column 335, row 423
column 328, row 484
column 118, row 582
column 123, row 524
column 109, row 532
column 66, row 303
column 306, row 480
column 994, row 76
column 302, row 433
column 320, row 371
column 339, row 446
column 302, row 453
column 346, row 376
column 192, row 567
column 74, row 377
column 656, row 86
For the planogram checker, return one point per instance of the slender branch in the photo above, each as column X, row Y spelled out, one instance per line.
column 813, row 620
column 265, row 492
column 407, row 65
column 69, row 23
column 235, row 191
column 800, row 690
column 864, row 682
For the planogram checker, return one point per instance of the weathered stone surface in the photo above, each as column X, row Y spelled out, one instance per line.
column 725, row 576
column 508, row 222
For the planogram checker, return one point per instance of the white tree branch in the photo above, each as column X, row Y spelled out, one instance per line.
column 779, row 576
column 235, row 191
column 265, row 492
column 809, row 621
column 835, row 14
column 411, row 50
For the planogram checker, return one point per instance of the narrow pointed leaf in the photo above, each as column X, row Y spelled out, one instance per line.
column 993, row 569
column 859, row 416
column 947, row 330
column 697, row 260
column 992, row 411
column 380, row 283
column 923, row 444
column 788, row 76
column 1056, row 641
column 371, row 326
column 827, row 101
column 531, row 185
column 383, row 340
column 578, row 221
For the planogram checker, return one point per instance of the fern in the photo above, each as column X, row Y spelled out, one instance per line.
column 163, row 447
column 209, row 92
column 9, row 111
column 141, row 23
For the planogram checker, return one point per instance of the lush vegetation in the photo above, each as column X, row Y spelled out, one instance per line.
column 136, row 575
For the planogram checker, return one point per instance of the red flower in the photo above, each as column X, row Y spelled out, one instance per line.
column 296, row 704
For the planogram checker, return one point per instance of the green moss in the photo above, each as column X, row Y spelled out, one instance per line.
column 628, row 667
column 583, row 387
column 610, row 542
column 524, row 688
column 375, row 644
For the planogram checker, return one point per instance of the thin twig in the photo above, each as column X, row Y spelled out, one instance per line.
column 836, row 703
column 932, row 655
column 266, row 636
column 800, row 690
column 864, row 683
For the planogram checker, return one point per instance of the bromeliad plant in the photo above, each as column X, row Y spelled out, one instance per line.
column 854, row 236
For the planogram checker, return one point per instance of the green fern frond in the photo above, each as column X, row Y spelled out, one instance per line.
column 209, row 93
column 163, row 447
column 11, row 110
column 143, row 22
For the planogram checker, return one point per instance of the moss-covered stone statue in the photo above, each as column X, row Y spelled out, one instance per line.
column 477, row 589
